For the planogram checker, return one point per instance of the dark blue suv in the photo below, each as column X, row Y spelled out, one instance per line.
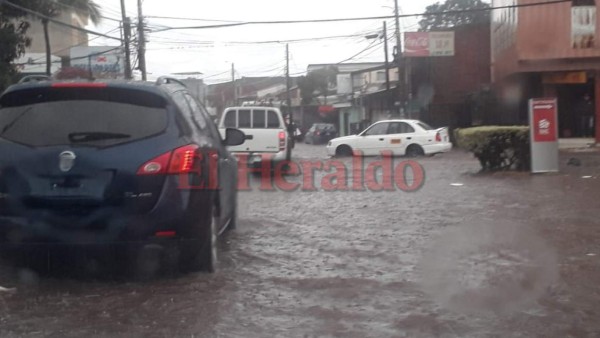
column 115, row 162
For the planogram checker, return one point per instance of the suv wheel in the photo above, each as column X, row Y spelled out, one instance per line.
column 199, row 253
column 233, row 221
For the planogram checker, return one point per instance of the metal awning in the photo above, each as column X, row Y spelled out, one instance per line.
column 342, row 105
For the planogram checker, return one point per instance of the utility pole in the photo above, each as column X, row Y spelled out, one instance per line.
column 287, row 80
column 400, row 62
column 235, row 99
column 142, row 41
column 387, row 68
column 126, row 40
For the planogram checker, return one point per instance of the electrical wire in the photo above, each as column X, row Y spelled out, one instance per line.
column 35, row 61
column 473, row 10
column 189, row 19
column 215, row 75
column 210, row 44
column 370, row 46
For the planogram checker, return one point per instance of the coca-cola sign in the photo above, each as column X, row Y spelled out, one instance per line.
column 416, row 44
column 420, row 44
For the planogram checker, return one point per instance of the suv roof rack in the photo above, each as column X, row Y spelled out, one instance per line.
column 35, row 78
column 168, row 80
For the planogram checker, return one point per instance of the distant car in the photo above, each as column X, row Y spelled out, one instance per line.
column 401, row 137
column 113, row 163
column 266, row 133
column 320, row 133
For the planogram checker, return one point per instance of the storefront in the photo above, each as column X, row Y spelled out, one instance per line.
column 577, row 101
column 351, row 118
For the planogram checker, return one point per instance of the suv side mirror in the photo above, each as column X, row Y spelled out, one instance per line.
column 234, row 137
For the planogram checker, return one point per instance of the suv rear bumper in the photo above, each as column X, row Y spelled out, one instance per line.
column 171, row 217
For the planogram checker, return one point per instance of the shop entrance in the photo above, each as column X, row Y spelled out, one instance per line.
column 573, row 117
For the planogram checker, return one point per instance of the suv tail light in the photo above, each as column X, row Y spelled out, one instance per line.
column 438, row 137
column 178, row 161
column 281, row 140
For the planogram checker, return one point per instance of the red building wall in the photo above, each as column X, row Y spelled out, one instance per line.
column 448, row 80
column 531, row 41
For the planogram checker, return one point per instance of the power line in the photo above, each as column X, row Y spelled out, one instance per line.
column 190, row 19
column 58, row 22
column 473, row 10
column 215, row 75
column 370, row 46
column 211, row 43
column 75, row 45
column 116, row 10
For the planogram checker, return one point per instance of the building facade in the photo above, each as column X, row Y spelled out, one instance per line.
column 548, row 50
column 443, row 88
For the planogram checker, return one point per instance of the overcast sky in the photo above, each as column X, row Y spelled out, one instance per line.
column 212, row 51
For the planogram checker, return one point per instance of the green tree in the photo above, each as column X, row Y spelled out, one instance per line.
column 460, row 13
column 52, row 9
column 13, row 41
column 317, row 83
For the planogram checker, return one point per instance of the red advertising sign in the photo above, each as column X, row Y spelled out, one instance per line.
column 544, row 122
column 416, row 44
column 422, row 44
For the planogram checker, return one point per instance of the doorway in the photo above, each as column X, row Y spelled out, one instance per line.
column 570, row 115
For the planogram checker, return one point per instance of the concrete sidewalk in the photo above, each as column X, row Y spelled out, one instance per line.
column 576, row 143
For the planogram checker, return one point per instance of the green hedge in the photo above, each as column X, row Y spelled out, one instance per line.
column 497, row 147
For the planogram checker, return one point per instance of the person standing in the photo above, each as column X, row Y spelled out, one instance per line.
column 586, row 112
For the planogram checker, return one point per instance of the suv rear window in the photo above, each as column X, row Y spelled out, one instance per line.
column 48, row 117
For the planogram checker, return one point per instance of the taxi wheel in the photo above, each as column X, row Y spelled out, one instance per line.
column 343, row 151
column 414, row 150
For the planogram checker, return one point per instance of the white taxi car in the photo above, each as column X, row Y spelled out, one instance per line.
column 401, row 137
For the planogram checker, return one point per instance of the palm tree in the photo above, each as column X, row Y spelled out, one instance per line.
column 53, row 8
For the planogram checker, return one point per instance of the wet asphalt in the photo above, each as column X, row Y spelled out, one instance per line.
column 464, row 255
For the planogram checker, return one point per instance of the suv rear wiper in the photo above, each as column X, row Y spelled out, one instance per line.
column 95, row 136
column 15, row 120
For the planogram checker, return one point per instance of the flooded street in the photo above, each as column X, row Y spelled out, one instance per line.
column 467, row 255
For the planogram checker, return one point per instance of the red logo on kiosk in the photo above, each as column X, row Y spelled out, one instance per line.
column 544, row 121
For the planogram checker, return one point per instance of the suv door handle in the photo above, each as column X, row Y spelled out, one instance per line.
column 409, row 138
column 381, row 139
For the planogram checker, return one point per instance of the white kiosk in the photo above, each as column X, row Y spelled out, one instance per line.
column 543, row 123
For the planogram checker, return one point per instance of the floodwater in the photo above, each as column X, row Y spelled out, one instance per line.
column 467, row 255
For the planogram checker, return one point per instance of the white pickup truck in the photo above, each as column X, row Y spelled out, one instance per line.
column 266, row 133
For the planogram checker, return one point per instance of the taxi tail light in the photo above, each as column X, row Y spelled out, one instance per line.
column 179, row 161
column 438, row 137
